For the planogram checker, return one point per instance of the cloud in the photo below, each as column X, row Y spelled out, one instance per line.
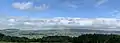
column 11, row 20
column 115, row 13
column 72, row 3
column 23, row 6
column 58, row 23
column 100, row 2
column 29, row 6
column 41, row 7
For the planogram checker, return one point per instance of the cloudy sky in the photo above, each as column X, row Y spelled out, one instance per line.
column 60, row 8
column 16, row 13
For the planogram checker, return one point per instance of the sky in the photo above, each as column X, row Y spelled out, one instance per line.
column 61, row 8
column 26, row 14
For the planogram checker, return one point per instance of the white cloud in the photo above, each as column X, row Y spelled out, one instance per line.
column 72, row 4
column 32, row 23
column 41, row 7
column 29, row 6
column 28, row 23
column 23, row 6
column 11, row 20
column 115, row 13
column 100, row 2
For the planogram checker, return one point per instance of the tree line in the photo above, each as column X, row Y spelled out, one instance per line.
column 85, row 38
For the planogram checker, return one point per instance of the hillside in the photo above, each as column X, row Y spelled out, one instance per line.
column 54, row 32
column 85, row 38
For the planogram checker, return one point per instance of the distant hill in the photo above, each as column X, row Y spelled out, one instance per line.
column 53, row 32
